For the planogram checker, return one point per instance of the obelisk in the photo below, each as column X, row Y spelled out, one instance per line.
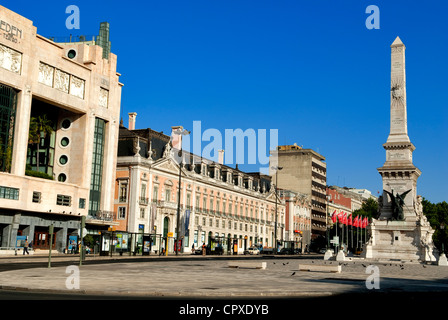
column 401, row 231
column 398, row 172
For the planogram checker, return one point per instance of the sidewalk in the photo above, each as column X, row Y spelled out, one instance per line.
column 199, row 277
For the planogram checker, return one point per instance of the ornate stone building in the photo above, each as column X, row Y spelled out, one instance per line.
column 219, row 205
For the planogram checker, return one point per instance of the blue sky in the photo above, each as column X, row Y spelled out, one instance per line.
column 310, row 69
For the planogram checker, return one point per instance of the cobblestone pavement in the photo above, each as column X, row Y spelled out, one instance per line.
column 187, row 278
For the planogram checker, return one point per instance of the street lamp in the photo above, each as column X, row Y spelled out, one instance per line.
column 277, row 169
column 442, row 227
column 181, row 132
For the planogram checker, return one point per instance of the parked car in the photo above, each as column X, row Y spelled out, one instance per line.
column 252, row 250
column 288, row 251
column 218, row 250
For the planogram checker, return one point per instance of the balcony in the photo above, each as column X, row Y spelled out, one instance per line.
column 143, row 201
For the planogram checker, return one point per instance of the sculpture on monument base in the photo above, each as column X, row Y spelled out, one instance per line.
column 397, row 204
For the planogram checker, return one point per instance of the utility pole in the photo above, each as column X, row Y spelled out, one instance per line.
column 277, row 168
column 81, row 236
column 51, row 230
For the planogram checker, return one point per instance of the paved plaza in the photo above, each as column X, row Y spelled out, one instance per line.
column 211, row 277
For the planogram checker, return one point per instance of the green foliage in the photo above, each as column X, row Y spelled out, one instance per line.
column 37, row 174
column 437, row 215
column 368, row 209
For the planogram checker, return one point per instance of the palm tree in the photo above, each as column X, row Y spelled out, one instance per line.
column 39, row 128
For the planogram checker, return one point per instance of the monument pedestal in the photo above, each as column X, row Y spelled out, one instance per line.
column 400, row 240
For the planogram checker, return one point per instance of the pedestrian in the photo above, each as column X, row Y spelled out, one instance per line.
column 192, row 249
column 25, row 248
column 203, row 249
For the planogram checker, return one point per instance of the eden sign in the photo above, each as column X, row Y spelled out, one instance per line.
column 10, row 32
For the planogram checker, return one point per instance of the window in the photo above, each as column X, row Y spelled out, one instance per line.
column 97, row 165
column 217, row 223
column 188, row 204
column 203, row 221
column 36, row 196
column 155, row 194
column 123, row 192
column 62, row 177
column 197, row 202
column 63, row 159
column 66, row 123
column 143, row 198
column 65, row 142
column 211, row 222
column 9, row 193
column 211, row 205
column 168, row 195
column 8, row 103
column 204, row 203
column 63, row 200
column 82, row 203
column 142, row 212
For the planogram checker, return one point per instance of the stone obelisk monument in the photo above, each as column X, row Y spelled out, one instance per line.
column 401, row 231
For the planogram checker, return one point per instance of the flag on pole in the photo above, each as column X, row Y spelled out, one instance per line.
column 340, row 217
column 344, row 218
column 356, row 222
column 365, row 221
column 334, row 217
column 350, row 222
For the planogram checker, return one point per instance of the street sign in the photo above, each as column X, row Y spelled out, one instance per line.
column 170, row 234
column 335, row 240
column 84, row 232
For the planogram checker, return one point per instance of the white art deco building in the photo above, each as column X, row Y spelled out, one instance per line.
column 59, row 118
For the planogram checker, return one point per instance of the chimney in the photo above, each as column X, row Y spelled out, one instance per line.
column 176, row 137
column 132, row 116
column 221, row 156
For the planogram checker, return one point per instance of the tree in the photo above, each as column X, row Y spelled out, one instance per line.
column 437, row 215
column 368, row 209
column 39, row 128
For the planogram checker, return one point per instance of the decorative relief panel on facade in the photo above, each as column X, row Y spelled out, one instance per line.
column 104, row 97
column 46, row 74
column 77, row 87
column 61, row 80
column 10, row 59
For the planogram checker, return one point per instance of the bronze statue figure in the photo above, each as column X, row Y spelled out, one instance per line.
column 397, row 204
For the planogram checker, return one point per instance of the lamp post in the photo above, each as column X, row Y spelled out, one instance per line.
column 442, row 228
column 277, row 169
column 181, row 132
column 326, row 222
